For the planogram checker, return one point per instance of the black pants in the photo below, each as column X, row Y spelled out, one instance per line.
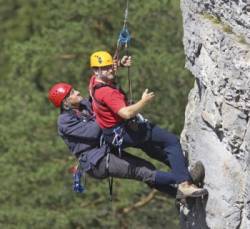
column 158, row 144
column 129, row 167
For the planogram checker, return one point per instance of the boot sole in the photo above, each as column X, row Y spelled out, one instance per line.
column 181, row 195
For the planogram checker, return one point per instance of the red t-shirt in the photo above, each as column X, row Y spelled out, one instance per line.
column 114, row 100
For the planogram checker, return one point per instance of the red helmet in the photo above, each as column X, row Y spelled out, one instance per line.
column 58, row 92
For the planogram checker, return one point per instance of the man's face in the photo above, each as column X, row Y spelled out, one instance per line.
column 74, row 98
column 106, row 73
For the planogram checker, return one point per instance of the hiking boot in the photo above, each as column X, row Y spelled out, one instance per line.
column 197, row 173
column 189, row 190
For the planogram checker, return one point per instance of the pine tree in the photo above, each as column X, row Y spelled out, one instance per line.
column 44, row 42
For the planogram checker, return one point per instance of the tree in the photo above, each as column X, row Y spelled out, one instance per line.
column 45, row 42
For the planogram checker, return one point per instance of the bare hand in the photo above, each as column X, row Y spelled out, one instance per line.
column 126, row 61
column 147, row 96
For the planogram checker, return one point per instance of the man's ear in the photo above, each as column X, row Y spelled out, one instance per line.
column 66, row 102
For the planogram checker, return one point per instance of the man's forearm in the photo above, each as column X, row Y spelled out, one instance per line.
column 132, row 110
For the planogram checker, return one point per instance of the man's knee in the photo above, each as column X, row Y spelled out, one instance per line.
column 146, row 175
column 99, row 170
column 148, row 165
column 173, row 139
column 172, row 144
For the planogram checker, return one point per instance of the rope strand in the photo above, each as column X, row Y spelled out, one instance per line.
column 123, row 41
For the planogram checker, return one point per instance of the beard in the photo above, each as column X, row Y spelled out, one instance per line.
column 107, row 77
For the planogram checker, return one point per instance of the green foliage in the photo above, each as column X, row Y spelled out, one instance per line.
column 46, row 41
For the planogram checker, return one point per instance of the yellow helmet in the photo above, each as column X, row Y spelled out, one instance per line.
column 100, row 59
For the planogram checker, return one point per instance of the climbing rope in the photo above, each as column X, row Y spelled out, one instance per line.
column 122, row 42
column 124, row 36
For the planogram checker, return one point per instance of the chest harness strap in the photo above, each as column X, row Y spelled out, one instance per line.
column 119, row 130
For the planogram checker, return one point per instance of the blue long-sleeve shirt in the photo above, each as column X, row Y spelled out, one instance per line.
column 81, row 133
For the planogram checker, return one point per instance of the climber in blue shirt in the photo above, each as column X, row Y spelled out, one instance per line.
column 79, row 130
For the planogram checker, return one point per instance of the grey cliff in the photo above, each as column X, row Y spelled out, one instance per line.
column 217, row 127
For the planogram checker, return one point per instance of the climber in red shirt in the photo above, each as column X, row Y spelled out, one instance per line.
column 123, row 126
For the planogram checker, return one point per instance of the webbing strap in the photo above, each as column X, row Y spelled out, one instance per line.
column 110, row 178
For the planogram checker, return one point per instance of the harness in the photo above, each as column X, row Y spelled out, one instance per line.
column 79, row 174
column 119, row 130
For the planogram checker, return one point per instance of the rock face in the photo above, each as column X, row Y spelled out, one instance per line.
column 217, row 127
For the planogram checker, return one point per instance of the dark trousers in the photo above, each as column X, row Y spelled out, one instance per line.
column 129, row 167
column 158, row 144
